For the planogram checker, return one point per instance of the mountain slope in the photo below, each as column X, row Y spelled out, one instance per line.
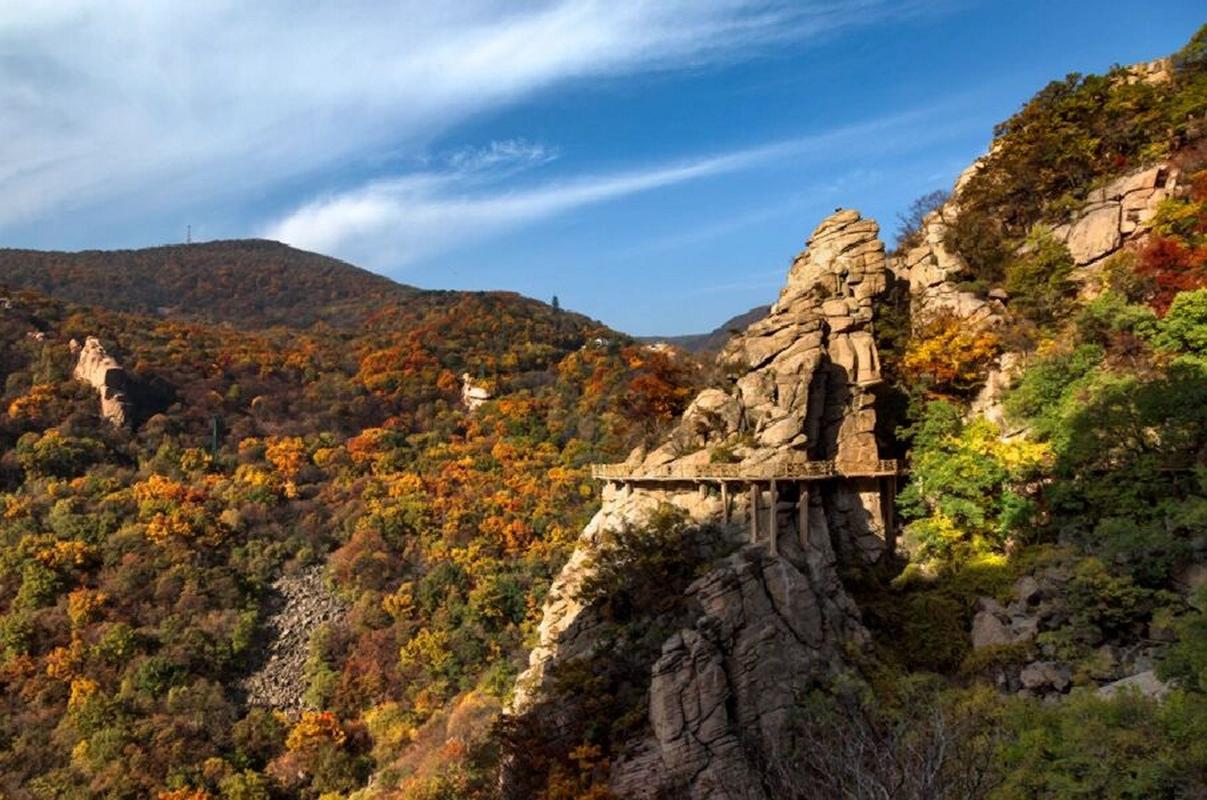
column 252, row 283
column 1038, row 623
column 714, row 340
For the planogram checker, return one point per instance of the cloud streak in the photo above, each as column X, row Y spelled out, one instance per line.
column 143, row 104
column 390, row 223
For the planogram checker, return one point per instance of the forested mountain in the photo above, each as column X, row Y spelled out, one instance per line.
column 274, row 527
column 138, row 561
column 249, row 283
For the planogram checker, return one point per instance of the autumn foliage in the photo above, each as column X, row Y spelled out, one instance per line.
column 136, row 565
column 949, row 356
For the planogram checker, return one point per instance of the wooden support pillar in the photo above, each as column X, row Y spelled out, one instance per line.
column 803, row 509
column 724, row 502
column 754, row 513
column 773, row 527
column 888, row 506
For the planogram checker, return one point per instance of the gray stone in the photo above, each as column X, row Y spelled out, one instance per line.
column 1041, row 675
column 1027, row 590
column 299, row 605
column 988, row 630
column 1095, row 234
column 767, row 632
column 1145, row 683
column 1024, row 629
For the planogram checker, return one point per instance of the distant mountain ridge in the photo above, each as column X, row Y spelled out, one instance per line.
column 714, row 340
column 248, row 282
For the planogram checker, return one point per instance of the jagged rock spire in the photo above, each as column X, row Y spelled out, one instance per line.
column 802, row 374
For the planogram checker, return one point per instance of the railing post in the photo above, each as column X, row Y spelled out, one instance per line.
column 773, row 526
column 724, row 503
column 888, row 507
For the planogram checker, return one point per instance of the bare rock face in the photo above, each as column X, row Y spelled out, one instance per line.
column 769, row 631
column 99, row 369
column 802, row 375
column 934, row 272
column 810, row 362
column 1146, row 683
column 766, row 627
column 1115, row 217
column 473, row 395
column 1095, row 234
column 567, row 625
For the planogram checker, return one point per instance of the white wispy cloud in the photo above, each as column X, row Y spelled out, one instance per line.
column 509, row 153
column 148, row 104
column 392, row 222
column 399, row 220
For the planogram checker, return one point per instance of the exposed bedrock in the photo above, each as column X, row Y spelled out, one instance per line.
column 764, row 627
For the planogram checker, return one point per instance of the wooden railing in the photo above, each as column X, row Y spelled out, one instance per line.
column 776, row 470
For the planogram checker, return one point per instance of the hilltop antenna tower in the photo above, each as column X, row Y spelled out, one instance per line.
column 188, row 234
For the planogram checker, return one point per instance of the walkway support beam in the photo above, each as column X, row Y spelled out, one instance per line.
column 802, row 527
column 754, row 513
column 888, row 506
column 774, row 522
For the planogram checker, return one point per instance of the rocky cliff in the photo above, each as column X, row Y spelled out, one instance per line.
column 1112, row 219
column 99, row 369
column 765, row 627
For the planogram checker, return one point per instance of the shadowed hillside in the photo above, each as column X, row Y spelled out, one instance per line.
column 246, row 282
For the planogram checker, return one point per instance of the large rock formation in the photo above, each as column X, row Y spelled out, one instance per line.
column 472, row 394
column 934, row 273
column 99, row 369
column 766, row 627
column 1116, row 215
column 723, row 691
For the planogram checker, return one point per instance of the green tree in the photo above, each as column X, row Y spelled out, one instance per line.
column 1038, row 281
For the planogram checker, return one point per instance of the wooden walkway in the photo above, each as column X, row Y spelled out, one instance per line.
column 772, row 475
column 742, row 473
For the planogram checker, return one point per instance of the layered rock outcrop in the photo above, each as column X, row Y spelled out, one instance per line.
column 723, row 692
column 934, row 273
column 1114, row 217
column 100, row 370
column 801, row 386
column 803, row 377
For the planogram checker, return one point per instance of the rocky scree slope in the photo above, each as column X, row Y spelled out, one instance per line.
column 300, row 605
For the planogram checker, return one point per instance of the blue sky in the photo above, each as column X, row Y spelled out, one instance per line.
column 655, row 164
